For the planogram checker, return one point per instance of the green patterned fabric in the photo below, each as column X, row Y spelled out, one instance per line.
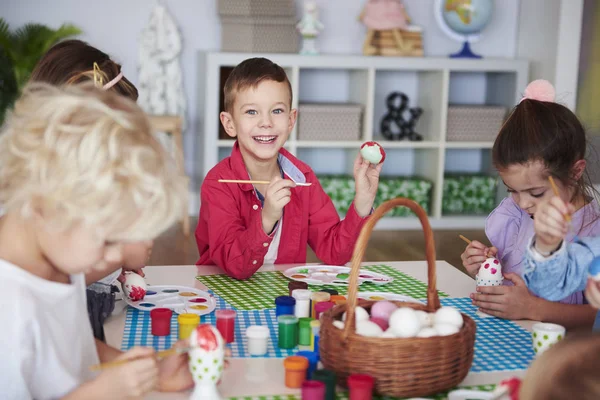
column 469, row 194
column 344, row 395
column 340, row 188
column 260, row 291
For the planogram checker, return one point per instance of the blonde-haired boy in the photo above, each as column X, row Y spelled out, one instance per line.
column 80, row 174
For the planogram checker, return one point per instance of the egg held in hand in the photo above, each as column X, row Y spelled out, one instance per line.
column 134, row 286
column 372, row 152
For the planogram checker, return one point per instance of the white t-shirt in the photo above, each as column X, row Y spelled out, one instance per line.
column 271, row 255
column 46, row 341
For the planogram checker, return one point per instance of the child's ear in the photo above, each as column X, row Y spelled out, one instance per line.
column 578, row 169
column 292, row 119
column 228, row 125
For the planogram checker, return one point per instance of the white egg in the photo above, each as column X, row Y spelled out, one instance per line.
column 360, row 313
column 388, row 334
column 404, row 322
column 368, row 328
column 427, row 332
column 338, row 324
column 425, row 318
column 134, row 286
column 446, row 329
column 449, row 315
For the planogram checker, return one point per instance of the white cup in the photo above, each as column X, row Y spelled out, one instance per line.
column 545, row 335
column 258, row 340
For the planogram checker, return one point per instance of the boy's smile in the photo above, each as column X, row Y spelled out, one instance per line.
column 261, row 120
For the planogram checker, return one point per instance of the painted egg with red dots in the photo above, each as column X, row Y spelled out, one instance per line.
column 372, row 152
column 134, row 286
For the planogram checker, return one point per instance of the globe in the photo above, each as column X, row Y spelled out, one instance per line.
column 463, row 20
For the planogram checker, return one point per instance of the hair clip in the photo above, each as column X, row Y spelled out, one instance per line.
column 540, row 90
column 98, row 81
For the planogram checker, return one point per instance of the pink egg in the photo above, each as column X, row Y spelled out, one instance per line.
column 383, row 323
column 383, row 310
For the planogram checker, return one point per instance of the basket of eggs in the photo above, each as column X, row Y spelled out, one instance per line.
column 425, row 350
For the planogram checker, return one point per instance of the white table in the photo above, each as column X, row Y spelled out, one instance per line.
column 265, row 376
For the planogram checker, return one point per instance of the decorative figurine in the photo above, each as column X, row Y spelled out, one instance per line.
column 309, row 27
column 404, row 128
column 389, row 32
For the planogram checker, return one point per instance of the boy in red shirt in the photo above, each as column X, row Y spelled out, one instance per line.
column 243, row 226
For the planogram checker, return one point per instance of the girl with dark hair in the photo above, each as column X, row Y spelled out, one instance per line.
column 540, row 139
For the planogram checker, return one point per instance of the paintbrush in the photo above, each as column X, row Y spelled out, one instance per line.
column 160, row 355
column 468, row 242
column 257, row 182
column 557, row 194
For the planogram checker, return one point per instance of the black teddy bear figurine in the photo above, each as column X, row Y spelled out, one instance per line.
column 394, row 126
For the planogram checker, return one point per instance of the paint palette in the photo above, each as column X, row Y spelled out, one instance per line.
column 180, row 299
column 386, row 296
column 333, row 275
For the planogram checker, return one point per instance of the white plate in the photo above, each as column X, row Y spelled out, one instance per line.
column 386, row 296
column 180, row 299
column 333, row 275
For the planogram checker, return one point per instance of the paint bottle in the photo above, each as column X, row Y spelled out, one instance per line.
column 187, row 323
column 313, row 360
column 258, row 340
column 288, row 331
column 313, row 390
column 160, row 319
column 293, row 285
column 284, row 305
column 321, row 307
column 337, row 299
column 295, row 371
column 226, row 324
column 302, row 308
column 304, row 331
column 361, row 387
column 332, row 292
column 315, row 298
column 328, row 378
column 316, row 328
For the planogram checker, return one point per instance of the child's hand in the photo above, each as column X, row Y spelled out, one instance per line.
column 550, row 224
column 277, row 196
column 132, row 379
column 174, row 371
column 592, row 293
column 366, row 179
column 121, row 277
column 475, row 253
column 508, row 302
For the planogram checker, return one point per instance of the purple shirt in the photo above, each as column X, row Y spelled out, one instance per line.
column 509, row 228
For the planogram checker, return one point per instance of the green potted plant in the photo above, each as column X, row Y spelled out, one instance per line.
column 20, row 50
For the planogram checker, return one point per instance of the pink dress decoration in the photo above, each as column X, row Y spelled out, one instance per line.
column 384, row 15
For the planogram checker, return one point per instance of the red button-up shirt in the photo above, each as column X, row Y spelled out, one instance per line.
column 230, row 234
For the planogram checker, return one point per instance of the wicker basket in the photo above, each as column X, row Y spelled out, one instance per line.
column 474, row 123
column 401, row 367
column 248, row 8
column 329, row 121
column 260, row 35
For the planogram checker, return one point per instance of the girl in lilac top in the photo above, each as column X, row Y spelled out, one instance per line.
column 510, row 228
column 539, row 139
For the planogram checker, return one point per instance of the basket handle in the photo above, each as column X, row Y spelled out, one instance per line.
column 433, row 300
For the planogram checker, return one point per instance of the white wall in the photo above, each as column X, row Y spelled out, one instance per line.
column 114, row 26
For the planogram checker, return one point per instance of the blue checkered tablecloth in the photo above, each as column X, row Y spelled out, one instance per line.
column 500, row 345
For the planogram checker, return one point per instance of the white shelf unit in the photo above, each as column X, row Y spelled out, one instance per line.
column 430, row 83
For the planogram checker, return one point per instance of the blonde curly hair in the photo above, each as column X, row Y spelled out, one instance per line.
column 83, row 155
